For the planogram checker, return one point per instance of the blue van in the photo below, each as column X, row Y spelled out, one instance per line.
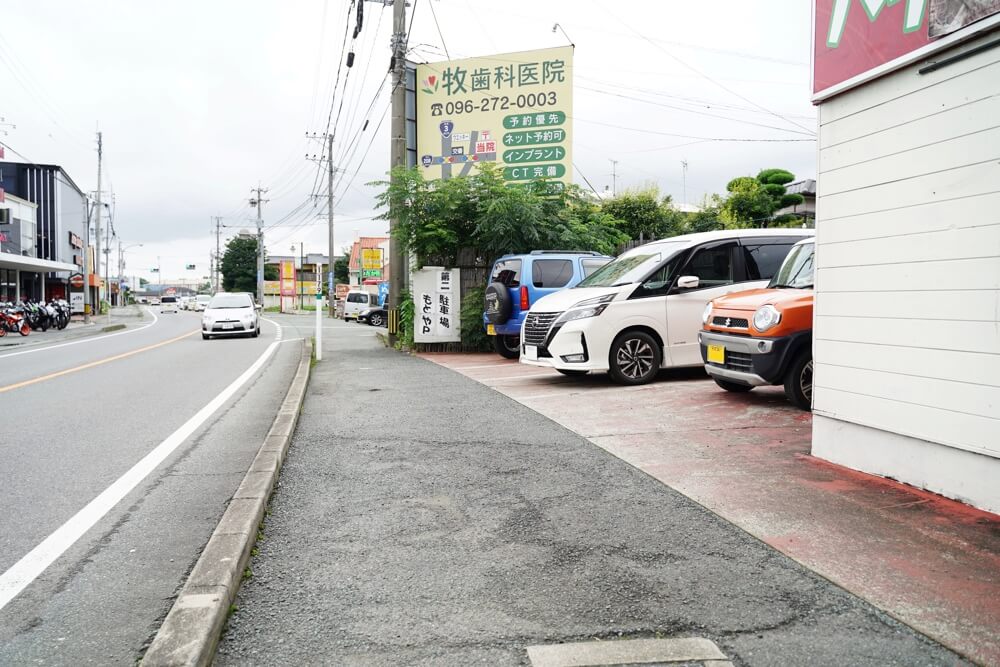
column 517, row 281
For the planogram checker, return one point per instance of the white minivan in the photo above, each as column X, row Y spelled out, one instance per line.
column 643, row 311
column 357, row 301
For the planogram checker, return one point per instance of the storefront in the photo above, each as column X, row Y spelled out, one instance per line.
column 907, row 331
column 26, row 277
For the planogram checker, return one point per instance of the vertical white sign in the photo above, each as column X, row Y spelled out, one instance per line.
column 437, row 308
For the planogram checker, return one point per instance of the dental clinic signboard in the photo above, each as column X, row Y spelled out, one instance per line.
column 858, row 40
column 514, row 109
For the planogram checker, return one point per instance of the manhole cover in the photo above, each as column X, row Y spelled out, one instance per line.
column 684, row 651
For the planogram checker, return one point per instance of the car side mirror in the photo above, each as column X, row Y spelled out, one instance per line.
column 257, row 307
column 687, row 282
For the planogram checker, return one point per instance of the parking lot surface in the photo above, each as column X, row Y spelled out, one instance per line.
column 928, row 561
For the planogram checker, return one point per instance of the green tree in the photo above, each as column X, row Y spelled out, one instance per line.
column 270, row 272
column 644, row 215
column 239, row 265
column 341, row 267
column 752, row 202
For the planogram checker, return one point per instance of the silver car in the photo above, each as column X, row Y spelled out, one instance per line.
column 230, row 313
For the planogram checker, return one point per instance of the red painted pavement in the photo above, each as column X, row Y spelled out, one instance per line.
column 930, row 562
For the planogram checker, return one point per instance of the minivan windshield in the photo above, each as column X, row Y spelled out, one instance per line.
column 797, row 269
column 631, row 267
column 230, row 301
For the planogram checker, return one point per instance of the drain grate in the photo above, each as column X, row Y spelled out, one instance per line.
column 674, row 652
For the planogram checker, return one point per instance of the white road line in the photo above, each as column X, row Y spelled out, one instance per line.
column 36, row 561
column 84, row 340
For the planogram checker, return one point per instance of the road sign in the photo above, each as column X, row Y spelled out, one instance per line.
column 76, row 280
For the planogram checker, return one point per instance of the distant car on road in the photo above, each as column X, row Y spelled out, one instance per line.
column 517, row 281
column 376, row 317
column 154, row 301
column 168, row 304
column 356, row 301
column 199, row 303
column 230, row 313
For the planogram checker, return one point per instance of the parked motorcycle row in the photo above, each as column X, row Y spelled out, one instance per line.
column 27, row 316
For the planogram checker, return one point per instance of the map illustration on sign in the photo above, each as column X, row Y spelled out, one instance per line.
column 479, row 110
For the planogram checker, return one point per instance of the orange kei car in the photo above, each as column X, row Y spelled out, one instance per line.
column 764, row 336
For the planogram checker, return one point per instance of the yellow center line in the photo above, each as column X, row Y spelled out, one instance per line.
column 99, row 362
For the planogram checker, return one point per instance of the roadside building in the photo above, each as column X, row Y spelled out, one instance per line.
column 60, row 223
column 369, row 261
column 907, row 310
column 23, row 274
column 807, row 209
column 309, row 272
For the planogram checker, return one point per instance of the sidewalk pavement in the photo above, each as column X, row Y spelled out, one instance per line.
column 120, row 318
column 928, row 561
column 424, row 519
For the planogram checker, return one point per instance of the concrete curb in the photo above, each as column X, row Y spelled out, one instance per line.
column 190, row 633
column 113, row 327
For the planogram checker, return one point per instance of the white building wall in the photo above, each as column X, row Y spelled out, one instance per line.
column 907, row 314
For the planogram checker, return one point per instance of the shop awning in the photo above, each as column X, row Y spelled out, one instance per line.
column 23, row 263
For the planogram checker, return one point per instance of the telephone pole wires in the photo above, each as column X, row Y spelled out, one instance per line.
column 259, row 203
column 97, row 228
column 397, row 262
column 329, row 218
column 218, row 253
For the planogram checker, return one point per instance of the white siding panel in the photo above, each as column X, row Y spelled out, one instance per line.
column 961, row 182
column 948, row 214
column 940, row 126
column 928, row 247
column 969, row 274
column 969, row 432
column 888, row 113
column 970, row 149
column 981, row 305
column 959, row 397
column 982, row 337
column 908, row 81
column 950, row 365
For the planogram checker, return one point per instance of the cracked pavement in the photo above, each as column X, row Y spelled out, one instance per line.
column 424, row 519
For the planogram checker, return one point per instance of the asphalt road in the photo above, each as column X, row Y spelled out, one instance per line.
column 424, row 519
column 78, row 418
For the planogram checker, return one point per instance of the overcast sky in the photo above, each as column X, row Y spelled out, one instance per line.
column 198, row 102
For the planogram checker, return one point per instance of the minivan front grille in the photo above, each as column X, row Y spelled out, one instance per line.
column 730, row 322
column 536, row 327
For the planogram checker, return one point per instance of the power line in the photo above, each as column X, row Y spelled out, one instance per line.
column 646, row 130
column 700, row 73
column 438, row 25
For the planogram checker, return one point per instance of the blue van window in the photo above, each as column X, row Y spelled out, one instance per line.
column 551, row 272
column 508, row 272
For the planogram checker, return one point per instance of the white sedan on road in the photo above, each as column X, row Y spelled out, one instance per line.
column 230, row 313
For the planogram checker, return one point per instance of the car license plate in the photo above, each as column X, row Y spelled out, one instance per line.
column 491, row 330
column 531, row 352
column 227, row 326
column 717, row 354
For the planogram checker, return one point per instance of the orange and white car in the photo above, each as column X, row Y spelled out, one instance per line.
column 764, row 336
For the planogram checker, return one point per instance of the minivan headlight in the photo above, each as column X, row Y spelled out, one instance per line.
column 586, row 308
column 706, row 312
column 766, row 318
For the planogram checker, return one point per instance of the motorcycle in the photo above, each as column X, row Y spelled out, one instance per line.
column 12, row 319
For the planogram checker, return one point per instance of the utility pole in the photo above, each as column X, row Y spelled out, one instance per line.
column 259, row 203
column 218, row 253
column 397, row 263
column 107, row 257
column 614, row 178
column 302, row 268
column 86, row 268
column 684, row 178
column 97, row 228
column 329, row 219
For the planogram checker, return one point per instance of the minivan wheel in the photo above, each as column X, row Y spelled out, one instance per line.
column 375, row 320
column 508, row 347
column 799, row 381
column 734, row 387
column 634, row 359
